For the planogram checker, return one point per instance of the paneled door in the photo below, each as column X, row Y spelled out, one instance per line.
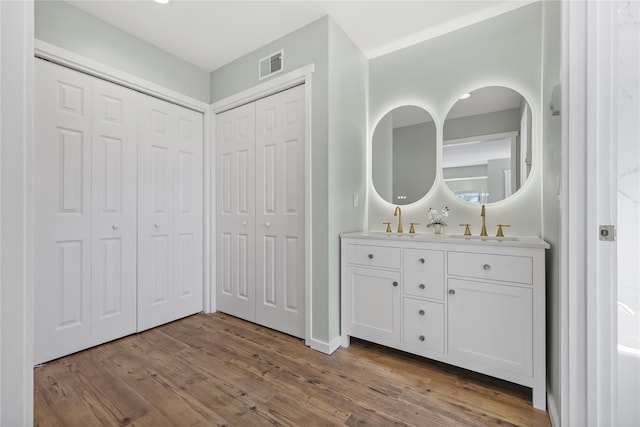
column 113, row 199
column 235, row 211
column 169, row 213
column 84, row 211
column 280, row 245
column 260, row 155
column 62, row 212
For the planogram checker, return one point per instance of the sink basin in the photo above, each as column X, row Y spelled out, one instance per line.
column 506, row 239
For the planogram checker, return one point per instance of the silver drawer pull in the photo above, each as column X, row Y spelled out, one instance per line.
column 421, row 260
column 395, row 283
column 452, row 292
column 421, row 286
column 370, row 256
column 115, row 226
column 421, row 338
column 486, row 267
column 421, row 312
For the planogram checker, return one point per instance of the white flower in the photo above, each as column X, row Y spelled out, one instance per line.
column 437, row 217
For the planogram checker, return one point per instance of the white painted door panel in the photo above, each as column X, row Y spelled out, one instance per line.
column 491, row 324
column 169, row 212
column 114, row 193
column 235, row 205
column 280, row 201
column 62, row 211
column 187, row 212
column 155, row 213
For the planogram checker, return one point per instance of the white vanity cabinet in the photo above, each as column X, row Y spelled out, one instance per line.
column 477, row 304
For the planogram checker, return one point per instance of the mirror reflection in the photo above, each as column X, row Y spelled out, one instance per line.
column 404, row 155
column 487, row 145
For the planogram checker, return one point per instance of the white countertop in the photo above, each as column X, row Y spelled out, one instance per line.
column 512, row 241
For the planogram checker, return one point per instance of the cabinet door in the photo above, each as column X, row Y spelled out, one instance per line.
column 491, row 325
column 373, row 304
column 155, row 213
column 62, row 211
column 235, row 212
column 280, row 212
column 114, row 199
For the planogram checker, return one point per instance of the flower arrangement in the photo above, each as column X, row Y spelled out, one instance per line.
column 436, row 217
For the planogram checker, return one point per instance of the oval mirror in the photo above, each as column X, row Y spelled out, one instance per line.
column 404, row 155
column 487, row 145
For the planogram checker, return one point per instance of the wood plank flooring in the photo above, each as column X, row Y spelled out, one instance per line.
column 216, row 370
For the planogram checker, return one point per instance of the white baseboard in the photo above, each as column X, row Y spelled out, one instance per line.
column 552, row 408
column 324, row 347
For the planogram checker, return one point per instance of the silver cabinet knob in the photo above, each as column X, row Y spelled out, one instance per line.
column 421, row 312
column 115, row 226
column 421, row 286
column 421, row 338
column 244, row 223
column 370, row 256
column 268, row 224
column 395, row 283
column 421, row 260
column 452, row 292
column 486, row 267
column 156, row 225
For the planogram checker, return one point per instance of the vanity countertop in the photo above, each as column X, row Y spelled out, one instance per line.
column 510, row 241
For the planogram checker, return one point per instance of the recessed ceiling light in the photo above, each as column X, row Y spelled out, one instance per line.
column 465, row 95
column 161, row 1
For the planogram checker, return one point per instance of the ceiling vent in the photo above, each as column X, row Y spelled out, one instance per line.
column 270, row 65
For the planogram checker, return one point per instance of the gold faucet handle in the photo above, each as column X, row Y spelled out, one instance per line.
column 412, row 228
column 500, row 233
column 467, row 230
column 388, row 224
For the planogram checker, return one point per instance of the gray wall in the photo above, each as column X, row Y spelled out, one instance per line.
column 502, row 51
column 414, row 161
column 482, row 124
column 70, row 28
column 552, row 161
column 338, row 147
column 382, row 158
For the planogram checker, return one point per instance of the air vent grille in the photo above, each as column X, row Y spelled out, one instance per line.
column 271, row 65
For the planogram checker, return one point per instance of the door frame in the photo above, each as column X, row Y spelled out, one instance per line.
column 302, row 75
column 588, row 160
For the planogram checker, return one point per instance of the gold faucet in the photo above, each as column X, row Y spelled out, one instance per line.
column 398, row 213
column 483, row 214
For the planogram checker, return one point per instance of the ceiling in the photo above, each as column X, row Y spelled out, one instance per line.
column 211, row 33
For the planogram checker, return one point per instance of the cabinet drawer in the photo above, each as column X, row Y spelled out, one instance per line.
column 374, row 256
column 424, row 261
column 507, row 268
column 424, row 285
column 424, row 324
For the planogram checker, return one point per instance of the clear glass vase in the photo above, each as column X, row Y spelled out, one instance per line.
column 437, row 228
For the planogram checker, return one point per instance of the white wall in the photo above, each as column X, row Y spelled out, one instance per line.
column 502, row 51
column 16, row 294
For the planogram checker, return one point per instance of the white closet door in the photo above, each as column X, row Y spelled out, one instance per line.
column 280, row 248
column 113, row 192
column 169, row 212
column 187, row 212
column 235, row 205
column 62, row 211
column 155, row 213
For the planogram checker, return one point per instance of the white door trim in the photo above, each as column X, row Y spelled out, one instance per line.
column 280, row 83
column 16, row 284
column 83, row 64
column 589, row 200
column 573, row 217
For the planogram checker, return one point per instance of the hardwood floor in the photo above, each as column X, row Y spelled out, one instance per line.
column 214, row 369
